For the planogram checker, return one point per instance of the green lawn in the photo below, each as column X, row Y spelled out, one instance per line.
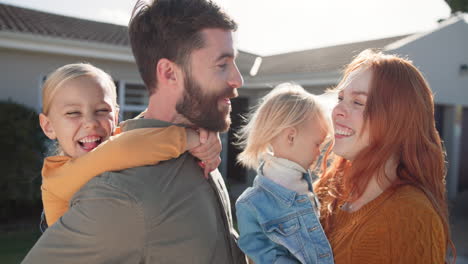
column 15, row 244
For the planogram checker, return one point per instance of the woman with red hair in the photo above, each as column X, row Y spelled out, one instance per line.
column 383, row 199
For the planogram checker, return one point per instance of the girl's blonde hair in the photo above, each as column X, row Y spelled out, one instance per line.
column 287, row 105
column 69, row 72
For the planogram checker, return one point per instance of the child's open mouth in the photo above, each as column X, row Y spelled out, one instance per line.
column 90, row 142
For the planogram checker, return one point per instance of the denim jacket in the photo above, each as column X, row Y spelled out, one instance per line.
column 278, row 225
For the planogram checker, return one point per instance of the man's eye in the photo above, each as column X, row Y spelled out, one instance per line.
column 72, row 113
column 340, row 98
column 103, row 111
column 222, row 66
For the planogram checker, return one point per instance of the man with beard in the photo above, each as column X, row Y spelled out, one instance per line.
column 166, row 213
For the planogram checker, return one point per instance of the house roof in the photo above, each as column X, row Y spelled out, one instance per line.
column 453, row 19
column 22, row 20
column 319, row 60
column 60, row 28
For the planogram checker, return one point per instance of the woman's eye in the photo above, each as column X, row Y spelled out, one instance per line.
column 358, row 103
column 340, row 98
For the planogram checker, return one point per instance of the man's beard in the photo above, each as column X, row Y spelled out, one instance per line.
column 202, row 110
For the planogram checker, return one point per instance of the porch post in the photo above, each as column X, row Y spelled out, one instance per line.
column 452, row 141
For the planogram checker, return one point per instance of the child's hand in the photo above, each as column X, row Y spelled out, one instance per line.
column 193, row 139
column 209, row 150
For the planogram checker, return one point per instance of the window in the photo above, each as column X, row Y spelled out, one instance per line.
column 133, row 102
column 132, row 99
column 135, row 94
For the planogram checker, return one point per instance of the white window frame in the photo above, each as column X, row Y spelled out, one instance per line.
column 122, row 84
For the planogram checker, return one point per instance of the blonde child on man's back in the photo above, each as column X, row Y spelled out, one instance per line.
column 80, row 111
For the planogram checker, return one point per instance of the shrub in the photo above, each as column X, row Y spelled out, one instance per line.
column 22, row 151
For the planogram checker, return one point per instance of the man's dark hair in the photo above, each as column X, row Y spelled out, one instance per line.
column 171, row 29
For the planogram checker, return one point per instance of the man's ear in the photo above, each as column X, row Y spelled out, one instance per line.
column 167, row 72
column 46, row 126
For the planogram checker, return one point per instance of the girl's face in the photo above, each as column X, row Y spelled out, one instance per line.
column 82, row 115
column 307, row 142
column 348, row 115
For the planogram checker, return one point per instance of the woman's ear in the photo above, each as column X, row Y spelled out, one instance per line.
column 46, row 126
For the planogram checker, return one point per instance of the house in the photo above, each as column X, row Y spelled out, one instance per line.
column 34, row 43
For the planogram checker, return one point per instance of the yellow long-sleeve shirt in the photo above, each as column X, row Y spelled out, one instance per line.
column 63, row 176
column 399, row 226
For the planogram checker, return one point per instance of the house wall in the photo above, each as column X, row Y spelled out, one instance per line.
column 22, row 73
column 439, row 56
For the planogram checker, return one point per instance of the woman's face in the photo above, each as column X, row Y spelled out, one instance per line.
column 348, row 115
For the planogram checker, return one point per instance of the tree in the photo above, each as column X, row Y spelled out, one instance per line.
column 21, row 155
column 458, row 5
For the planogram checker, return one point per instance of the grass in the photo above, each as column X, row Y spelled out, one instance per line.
column 14, row 245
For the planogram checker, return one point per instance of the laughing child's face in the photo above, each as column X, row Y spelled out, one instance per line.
column 82, row 115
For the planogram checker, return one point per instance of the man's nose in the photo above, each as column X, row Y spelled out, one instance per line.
column 235, row 79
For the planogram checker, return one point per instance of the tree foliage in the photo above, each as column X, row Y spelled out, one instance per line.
column 458, row 5
column 22, row 152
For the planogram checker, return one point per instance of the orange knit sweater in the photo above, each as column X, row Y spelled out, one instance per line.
column 63, row 176
column 400, row 226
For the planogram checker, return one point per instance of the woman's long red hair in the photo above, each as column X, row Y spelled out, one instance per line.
column 400, row 116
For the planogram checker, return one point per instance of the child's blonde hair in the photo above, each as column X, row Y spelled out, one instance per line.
column 72, row 71
column 287, row 105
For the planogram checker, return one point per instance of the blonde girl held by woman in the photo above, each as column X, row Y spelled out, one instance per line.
column 277, row 216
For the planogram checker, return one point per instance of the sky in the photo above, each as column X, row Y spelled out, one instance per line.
column 269, row 27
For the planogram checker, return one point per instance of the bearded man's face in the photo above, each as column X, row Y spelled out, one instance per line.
column 206, row 110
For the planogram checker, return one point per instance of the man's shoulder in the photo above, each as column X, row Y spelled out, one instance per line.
column 144, row 180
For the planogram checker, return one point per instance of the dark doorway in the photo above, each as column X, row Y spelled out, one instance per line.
column 235, row 172
column 439, row 119
column 463, row 172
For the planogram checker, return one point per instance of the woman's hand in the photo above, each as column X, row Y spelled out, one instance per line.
column 206, row 146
